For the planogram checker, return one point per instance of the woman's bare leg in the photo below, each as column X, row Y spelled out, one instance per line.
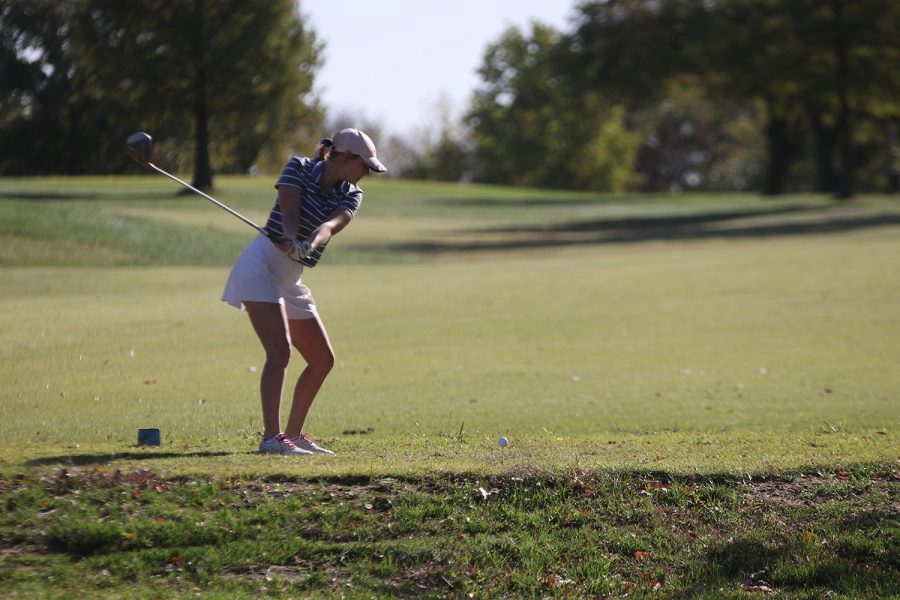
column 311, row 340
column 270, row 323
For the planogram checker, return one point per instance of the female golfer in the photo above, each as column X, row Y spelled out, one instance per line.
column 316, row 200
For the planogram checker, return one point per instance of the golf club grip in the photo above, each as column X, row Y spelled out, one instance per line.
column 210, row 198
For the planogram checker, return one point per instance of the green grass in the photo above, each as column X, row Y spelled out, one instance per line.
column 708, row 380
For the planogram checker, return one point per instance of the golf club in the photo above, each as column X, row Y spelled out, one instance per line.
column 140, row 148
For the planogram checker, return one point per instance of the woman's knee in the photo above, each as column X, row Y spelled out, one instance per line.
column 272, row 330
column 278, row 353
column 311, row 341
column 324, row 362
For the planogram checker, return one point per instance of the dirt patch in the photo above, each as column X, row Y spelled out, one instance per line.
column 297, row 570
column 799, row 492
column 810, row 489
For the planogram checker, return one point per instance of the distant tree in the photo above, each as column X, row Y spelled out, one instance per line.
column 87, row 72
column 654, row 59
column 446, row 159
column 48, row 115
column 529, row 128
column 244, row 65
column 344, row 119
column 816, row 66
column 399, row 154
column 629, row 49
column 691, row 142
column 443, row 148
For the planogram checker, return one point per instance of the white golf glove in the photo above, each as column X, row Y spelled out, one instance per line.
column 299, row 249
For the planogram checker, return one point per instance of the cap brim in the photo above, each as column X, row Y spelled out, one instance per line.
column 375, row 164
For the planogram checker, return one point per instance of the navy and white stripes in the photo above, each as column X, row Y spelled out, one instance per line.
column 315, row 207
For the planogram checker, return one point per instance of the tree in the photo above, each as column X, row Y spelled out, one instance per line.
column 819, row 66
column 691, row 142
column 803, row 58
column 236, row 72
column 47, row 117
column 530, row 128
column 246, row 65
column 443, row 148
column 653, row 58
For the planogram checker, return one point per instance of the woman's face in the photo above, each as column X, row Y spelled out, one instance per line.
column 356, row 169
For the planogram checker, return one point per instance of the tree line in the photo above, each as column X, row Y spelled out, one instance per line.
column 222, row 82
column 778, row 95
column 775, row 95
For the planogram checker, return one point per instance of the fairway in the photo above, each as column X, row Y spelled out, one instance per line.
column 688, row 336
column 474, row 318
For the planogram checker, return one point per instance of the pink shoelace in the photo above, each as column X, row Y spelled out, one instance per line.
column 283, row 439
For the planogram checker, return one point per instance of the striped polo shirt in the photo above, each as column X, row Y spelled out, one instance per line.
column 315, row 207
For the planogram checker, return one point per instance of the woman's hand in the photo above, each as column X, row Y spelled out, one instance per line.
column 294, row 249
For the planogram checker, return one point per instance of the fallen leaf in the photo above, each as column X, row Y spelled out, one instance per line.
column 758, row 587
column 485, row 493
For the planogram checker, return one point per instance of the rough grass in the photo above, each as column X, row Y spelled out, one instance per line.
column 574, row 533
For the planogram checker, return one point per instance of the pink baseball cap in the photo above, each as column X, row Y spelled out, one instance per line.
column 356, row 142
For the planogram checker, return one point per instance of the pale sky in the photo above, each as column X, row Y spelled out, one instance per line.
column 396, row 61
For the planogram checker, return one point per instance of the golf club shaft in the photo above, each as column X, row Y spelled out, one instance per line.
column 210, row 198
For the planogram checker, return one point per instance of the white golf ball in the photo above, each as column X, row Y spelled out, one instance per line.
column 503, row 442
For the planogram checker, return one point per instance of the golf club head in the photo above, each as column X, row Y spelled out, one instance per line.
column 140, row 146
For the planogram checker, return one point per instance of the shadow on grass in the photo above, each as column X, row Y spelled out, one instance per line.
column 80, row 460
column 695, row 221
column 704, row 226
column 743, row 557
column 46, row 196
column 791, row 564
column 542, row 202
column 872, row 519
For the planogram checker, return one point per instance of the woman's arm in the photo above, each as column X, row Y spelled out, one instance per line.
column 337, row 220
column 289, row 200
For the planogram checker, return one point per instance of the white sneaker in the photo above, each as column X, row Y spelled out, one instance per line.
column 305, row 442
column 281, row 444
